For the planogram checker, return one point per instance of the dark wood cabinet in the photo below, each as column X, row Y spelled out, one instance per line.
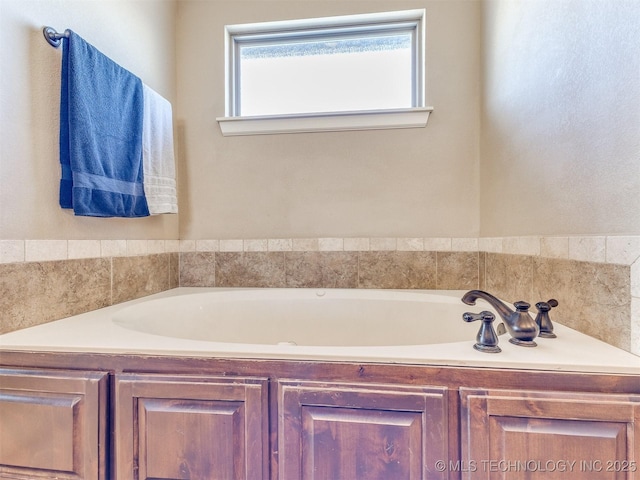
column 359, row 431
column 190, row 427
column 179, row 418
column 549, row 435
column 53, row 424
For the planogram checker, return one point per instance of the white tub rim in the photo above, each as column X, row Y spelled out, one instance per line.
column 93, row 332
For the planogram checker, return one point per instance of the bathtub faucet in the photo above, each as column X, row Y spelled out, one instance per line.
column 522, row 328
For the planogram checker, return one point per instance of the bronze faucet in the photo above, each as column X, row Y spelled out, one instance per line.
column 522, row 328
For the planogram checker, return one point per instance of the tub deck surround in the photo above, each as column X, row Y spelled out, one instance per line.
column 595, row 298
column 596, row 279
column 96, row 332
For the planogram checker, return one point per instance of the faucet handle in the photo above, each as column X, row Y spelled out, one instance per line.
column 522, row 306
column 552, row 303
column 486, row 340
column 543, row 320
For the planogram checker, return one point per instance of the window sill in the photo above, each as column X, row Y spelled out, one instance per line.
column 325, row 122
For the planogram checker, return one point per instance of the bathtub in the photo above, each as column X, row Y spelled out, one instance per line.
column 410, row 327
column 305, row 317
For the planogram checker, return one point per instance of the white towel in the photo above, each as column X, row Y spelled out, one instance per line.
column 158, row 160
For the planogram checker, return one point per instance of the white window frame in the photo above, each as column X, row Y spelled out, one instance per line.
column 236, row 35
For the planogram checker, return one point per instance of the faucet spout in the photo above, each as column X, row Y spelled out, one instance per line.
column 520, row 325
column 471, row 296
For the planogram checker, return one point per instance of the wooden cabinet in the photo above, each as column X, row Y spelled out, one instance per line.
column 53, row 424
column 359, row 431
column 304, row 420
column 190, row 427
column 549, row 435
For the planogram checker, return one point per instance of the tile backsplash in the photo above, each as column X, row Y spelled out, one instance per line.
column 594, row 298
column 596, row 279
column 37, row 292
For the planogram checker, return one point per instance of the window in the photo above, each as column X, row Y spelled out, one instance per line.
column 335, row 73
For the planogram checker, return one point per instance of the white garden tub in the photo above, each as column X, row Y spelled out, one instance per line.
column 305, row 317
column 383, row 326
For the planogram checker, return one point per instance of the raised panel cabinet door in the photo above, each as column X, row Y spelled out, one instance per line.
column 549, row 435
column 330, row 431
column 190, row 427
column 53, row 424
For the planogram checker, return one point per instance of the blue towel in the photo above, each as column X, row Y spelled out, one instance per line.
column 101, row 113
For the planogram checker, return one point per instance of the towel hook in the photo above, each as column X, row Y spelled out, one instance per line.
column 54, row 38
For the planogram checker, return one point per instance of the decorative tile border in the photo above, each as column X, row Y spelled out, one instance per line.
column 17, row 251
column 622, row 250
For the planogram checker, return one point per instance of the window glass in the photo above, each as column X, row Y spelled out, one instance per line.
column 326, row 75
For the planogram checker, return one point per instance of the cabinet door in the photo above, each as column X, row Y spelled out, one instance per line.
column 363, row 432
column 550, row 435
column 190, row 427
column 52, row 424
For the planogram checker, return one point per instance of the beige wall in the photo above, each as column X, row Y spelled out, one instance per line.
column 395, row 183
column 139, row 35
column 561, row 117
column 549, row 146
